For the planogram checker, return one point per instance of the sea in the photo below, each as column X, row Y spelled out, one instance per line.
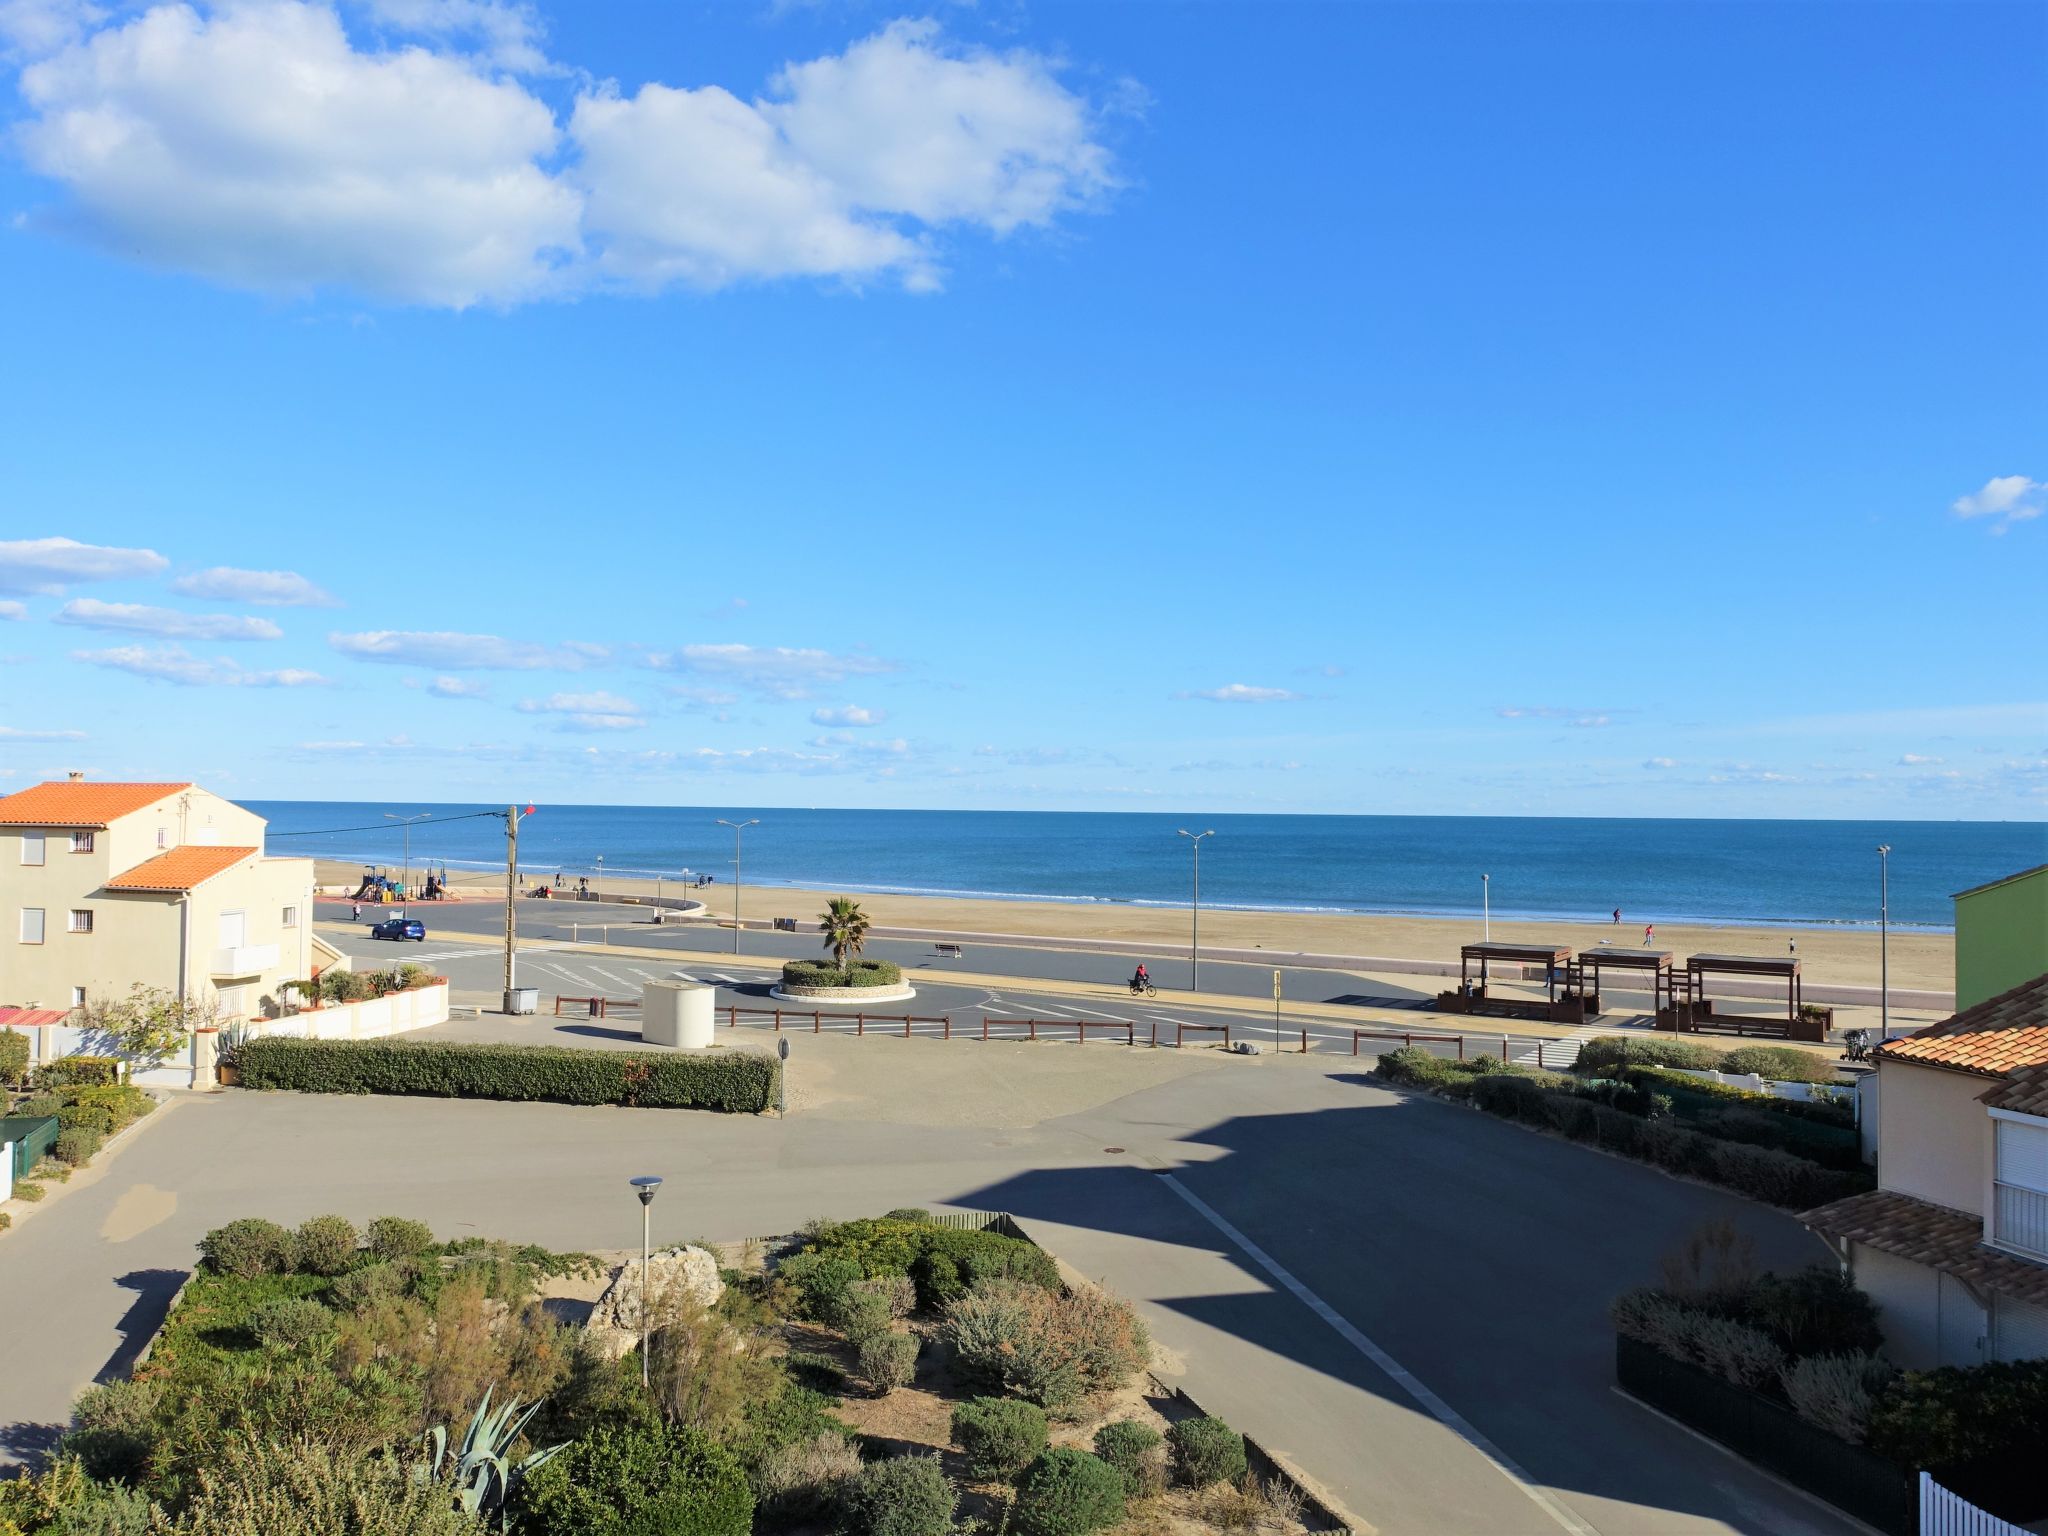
column 1788, row 873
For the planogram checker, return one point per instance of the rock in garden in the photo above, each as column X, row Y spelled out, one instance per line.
column 673, row 1275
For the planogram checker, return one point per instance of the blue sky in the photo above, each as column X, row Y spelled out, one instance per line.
column 1517, row 409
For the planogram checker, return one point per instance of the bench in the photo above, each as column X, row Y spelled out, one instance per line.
column 948, row 951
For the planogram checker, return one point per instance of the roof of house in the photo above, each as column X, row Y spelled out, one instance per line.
column 1935, row 1235
column 1995, row 1037
column 180, row 869
column 79, row 803
column 31, row 1018
column 2024, row 1092
column 1988, row 885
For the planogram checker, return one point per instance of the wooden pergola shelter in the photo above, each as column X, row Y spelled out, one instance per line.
column 1692, row 1009
column 1470, row 998
column 1593, row 961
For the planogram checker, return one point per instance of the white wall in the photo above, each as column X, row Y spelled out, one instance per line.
column 1935, row 1139
column 1908, row 1298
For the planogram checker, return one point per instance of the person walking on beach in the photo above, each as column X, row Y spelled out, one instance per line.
column 1617, row 917
column 1791, row 946
column 1649, row 934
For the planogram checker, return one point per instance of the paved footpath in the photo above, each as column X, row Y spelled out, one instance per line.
column 1405, row 1298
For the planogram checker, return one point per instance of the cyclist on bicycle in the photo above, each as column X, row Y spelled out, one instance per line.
column 1142, row 981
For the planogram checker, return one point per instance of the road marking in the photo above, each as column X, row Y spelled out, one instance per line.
column 1442, row 1411
column 1059, row 1012
column 681, row 976
column 730, row 981
column 992, row 1008
column 608, row 976
column 1114, row 1018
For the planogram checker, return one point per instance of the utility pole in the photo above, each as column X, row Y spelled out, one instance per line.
column 737, row 828
column 1884, row 942
column 1195, row 928
column 1486, row 907
column 512, row 819
column 407, row 822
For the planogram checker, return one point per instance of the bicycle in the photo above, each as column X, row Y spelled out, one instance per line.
column 1143, row 988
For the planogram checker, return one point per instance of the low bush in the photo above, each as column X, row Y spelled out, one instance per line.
column 903, row 1496
column 289, row 1322
column 1205, row 1451
column 822, row 973
column 248, row 1248
column 1780, row 1064
column 862, row 1312
column 1137, row 1454
column 1044, row 1345
column 114, row 1429
column 39, row 1105
column 78, row 1071
column 738, row 1081
column 1837, row 1392
column 956, row 1262
column 999, row 1436
column 795, row 1417
column 822, row 1281
column 1936, row 1419
column 77, row 1145
column 887, row 1360
column 124, row 1101
column 820, row 1373
column 13, row 1057
column 804, row 1479
column 394, row 1237
column 1417, row 1067
column 630, row 1479
column 258, row 1487
column 96, row 1118
column 1605, row 1055
column 361, row 1289
column 29, row 1190
column 1830, row 1146
column 324, row 1245
column 1067, row 1493
column 1815, row 1311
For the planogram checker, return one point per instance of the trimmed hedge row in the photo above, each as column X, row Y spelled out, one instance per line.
column 823, row 973
column 741, row 1082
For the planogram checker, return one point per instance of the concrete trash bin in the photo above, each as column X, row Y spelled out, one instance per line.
column 676, row 1013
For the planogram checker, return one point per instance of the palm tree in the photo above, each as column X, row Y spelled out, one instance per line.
column 845, row 928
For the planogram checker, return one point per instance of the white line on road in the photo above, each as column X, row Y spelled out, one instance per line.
column 608, row 976
column 1114, row 1018
column 1442, row 1411
column 1057, row 1012
column 992, row 1008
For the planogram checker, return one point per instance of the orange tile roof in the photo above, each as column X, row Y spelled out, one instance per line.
column 79, row 803
column 1999, row 1035
column 2025, row 1092
column 180, row 869
column 1934, row 1235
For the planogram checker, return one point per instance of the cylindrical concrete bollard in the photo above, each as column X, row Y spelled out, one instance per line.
column 676, row 1013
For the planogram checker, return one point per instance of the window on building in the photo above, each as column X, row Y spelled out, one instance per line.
column 291, row 917
column 2020, row 1186
column 31, row 925
column 163, row 837
column 81, row 920
column 81, row 842
column 78, row 997
column 31, row 847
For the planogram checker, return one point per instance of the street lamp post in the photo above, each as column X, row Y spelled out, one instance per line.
column 737, row 828
column 1486, row 907
column 1884, row 942
column 1195, row 931
column 646, row 1186
column 600, row 879
column 406, row 822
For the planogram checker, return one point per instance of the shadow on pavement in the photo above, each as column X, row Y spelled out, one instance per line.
column 153, row 1290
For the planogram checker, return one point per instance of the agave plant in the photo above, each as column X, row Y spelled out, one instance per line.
column 481, row 1469
column 228, row 1043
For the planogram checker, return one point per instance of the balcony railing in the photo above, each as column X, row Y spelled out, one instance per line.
column 2020, row 1219
column 244, row 960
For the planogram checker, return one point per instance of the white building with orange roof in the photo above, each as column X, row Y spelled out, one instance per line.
column 106, row 885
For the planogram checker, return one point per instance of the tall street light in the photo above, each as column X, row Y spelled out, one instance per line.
column 737, row 828
column 1486, row 907
column 1195, row 932
column 1884, row 942
column 646, row 1186
column 407, row 822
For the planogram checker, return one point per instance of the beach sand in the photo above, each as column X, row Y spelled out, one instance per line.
column 1833, row 956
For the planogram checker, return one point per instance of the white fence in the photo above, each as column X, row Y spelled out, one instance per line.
column 1945, row 1514
column 1749, row 1082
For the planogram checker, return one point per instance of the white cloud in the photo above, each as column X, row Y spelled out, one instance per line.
column 11, row 733
column 2007, row 499
column 446, row 648
column 30, row 29
column 164, row 623
column 1584, row 719
column 1660, row 762
column 50, row 565
column 782, row 672
column 598, row 711
column 1241, row 693
column 1916, row 760
column 174, row 664
column 258, row 145
column 851, row 714
column 1591, row 722
column 255, row 146
column 266, row 589
column 458, row 688
column 12, row 611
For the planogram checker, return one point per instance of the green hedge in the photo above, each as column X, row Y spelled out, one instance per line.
column 823, row 973
column 1706, row 1093
column 67, row 1071
column 738, row 1081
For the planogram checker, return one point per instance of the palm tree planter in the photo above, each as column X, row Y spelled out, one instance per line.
column 849, row 978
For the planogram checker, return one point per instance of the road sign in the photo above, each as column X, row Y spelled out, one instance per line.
column 1276, row 985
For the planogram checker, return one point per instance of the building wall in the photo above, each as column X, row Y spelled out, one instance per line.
column 2001, row 937
column 1909, row 1305
column 1934, row 1139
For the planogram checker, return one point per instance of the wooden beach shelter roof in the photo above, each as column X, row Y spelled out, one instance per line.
column 1527, row 954
column 1630, row 959
column 1745, row 965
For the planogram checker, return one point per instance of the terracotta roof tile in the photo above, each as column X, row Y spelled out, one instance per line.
column 79, row 803
column 1997, row 1036
column 31, row 1018
column 180, row 869
column 2024, row 1092
column 1934, row 1235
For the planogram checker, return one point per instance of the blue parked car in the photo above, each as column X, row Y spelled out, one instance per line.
column 400, row 928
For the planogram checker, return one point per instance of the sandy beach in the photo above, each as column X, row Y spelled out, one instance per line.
column 1837, row 956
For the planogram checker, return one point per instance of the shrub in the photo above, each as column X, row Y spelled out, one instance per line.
column 361, row 1289
column 259, row 1488
column 114, row 1428
column 820, row 1373
column 31, row 1191
column 907, row 1213
column 630, row 1479
column 77, row 1145
column 78, row 1071
column 96, row 1118
column 1735, row 1351
column 823, row 1281
column 1817, row 1311
column 903, row 1496
column 1837, row 1392
column 13, row 1057
column 794, row 1416
column 39, row 1105
column 289, row 1322
column 1416, row 1066
column 1512, row 1098
column 325, row 1245
column 1206, row 1451
column 248, row 1248
column 887, row 1360
column 738, row 1081
column 821, row 973
column 1001, row 1338
column 394, row 1237
column 1753, row 1125
column 956, row 1262
column 862, row 1312
column 1780, row 1064
column 1935, row 1419
column 805, row 1478
column 1136, row 1453
column 1067, row 1493
column 999, row 1436
column 1604, row 1055
column 124, row 1101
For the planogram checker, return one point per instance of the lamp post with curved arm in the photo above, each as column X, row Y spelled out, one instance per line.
column 737, row 828
column 1195, row 930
